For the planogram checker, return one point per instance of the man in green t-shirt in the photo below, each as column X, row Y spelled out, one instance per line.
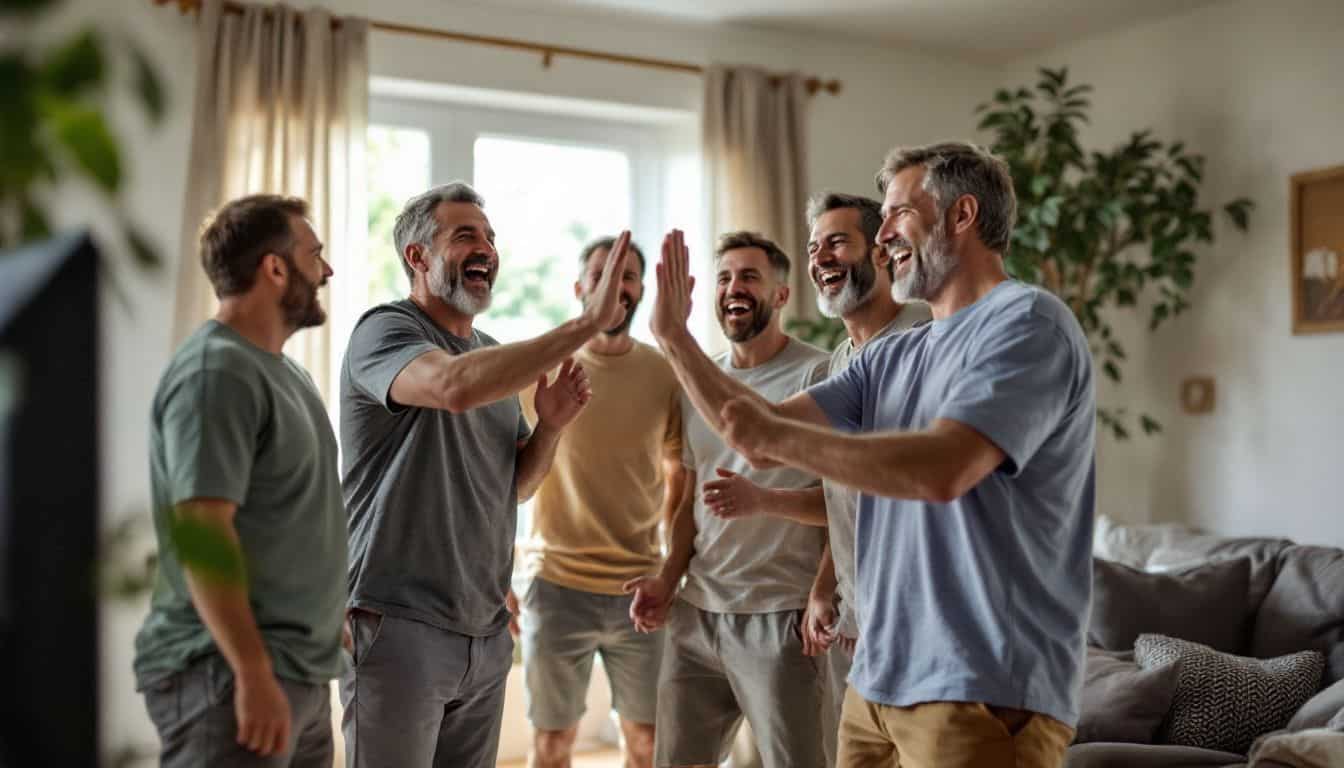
column 244, row 630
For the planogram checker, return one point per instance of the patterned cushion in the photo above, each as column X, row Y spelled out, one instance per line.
column 1224, row 701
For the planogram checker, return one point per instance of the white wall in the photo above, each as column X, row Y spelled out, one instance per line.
column 1256, row 88
column 889, row 97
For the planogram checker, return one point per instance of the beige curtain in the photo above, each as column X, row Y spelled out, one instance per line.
column 281, row 107
column 755, row 145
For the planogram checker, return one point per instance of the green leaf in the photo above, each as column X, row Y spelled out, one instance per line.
column 1149, row 425
column 34, row 222
column 1239, row 211
column 148, row 85
column 1112, row 372
column 1040, row 185
column 84, row 134
column 23, row 6
column 144, row 252
column 1114, row 349
column 74, row 67
column 206, row 550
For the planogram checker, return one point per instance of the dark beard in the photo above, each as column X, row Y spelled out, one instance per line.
column 624, row 325
column 299, row 303
column 760, row 318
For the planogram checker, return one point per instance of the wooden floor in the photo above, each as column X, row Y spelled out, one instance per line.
column 611, row 759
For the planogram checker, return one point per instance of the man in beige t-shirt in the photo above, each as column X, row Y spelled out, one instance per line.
column 617, row 475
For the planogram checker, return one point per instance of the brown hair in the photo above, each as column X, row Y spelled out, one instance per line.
column 744, row 239
column 239, row 234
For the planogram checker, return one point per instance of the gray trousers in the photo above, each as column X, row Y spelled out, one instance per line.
column 194, row 715
column 421, row 696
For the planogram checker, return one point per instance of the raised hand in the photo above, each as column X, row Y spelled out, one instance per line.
column 653, row 599
column 605, row 310
column 675, row 284
column 733, row 496
column 558, row 402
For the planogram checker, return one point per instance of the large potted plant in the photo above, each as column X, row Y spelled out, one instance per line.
column 1103, row 230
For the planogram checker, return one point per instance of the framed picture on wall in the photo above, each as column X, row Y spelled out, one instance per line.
column 1317, row 225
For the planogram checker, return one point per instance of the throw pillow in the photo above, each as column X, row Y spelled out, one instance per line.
column 1318, row 711
column 1122, row 702
column 1224, row 701
column 1206, row 604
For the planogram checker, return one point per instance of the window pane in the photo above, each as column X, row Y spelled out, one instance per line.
column 545, row 202
column 398, row 168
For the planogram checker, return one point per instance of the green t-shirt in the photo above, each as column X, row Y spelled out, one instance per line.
column 233, row 421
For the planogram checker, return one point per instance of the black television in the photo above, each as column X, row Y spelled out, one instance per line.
column 49, row 503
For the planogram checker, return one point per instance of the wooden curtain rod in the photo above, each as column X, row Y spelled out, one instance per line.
column 548, row 52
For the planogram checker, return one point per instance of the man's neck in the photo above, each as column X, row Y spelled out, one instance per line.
column 869, row 318
column 760, row 349
column 976, row 276
column 442, row 313
column 249, row 318
column 610, row 344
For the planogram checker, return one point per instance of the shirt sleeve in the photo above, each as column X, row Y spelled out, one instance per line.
column 672, row 437
column 210, row 427
column 1016, row 387
column 841, row 396
column 382, row 345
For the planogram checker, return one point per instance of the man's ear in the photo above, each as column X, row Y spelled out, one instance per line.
column 273, row 268
column 415, row 256
column 963, row 213
column 578, row 290
column 781, row 296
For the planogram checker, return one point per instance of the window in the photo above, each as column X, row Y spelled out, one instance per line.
column 552, row 180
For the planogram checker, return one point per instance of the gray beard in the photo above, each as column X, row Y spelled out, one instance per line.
column 858, row 289
column 449, row 288
column 930, row 267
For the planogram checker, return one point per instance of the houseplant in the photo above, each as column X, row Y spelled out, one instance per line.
column 1102, row 230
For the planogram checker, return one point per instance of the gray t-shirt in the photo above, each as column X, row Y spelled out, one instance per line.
column 232, row 421
column 842, row 502
column 756, row 564
column 431, row 494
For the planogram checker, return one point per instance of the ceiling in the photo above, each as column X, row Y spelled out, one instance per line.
column 986, row 31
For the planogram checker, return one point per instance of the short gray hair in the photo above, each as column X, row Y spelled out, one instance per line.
column 957, row 168
column 417, row 225
column 870, row 211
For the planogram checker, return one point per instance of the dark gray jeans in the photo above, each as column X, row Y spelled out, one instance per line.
column 193, row 712
column 421, row 696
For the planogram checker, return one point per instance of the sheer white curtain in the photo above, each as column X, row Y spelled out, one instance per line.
column 755, row 145
column 281, row 107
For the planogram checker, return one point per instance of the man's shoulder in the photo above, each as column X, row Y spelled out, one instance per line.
column 217, row 350
column 1024, row 304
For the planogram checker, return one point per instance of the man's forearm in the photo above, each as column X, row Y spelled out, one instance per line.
column 704, row 382
column 806, row 506
column 682, row 545
column 493, row 373
column 223, row 606
column 823, row 585
column 674, row 488
column 534, row 459
column 900, row 465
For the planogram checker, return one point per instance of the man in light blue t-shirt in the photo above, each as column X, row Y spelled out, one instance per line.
column 971, row 442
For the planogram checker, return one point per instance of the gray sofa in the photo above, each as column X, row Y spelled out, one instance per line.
column 1290, row 598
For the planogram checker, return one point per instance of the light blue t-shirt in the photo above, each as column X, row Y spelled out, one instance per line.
column 985, row 598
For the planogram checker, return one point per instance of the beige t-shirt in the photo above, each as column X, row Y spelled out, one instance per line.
column 595, row 516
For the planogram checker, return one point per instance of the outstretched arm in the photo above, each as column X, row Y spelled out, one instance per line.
column 441, row 380
column 938, row 464
column 732, row 496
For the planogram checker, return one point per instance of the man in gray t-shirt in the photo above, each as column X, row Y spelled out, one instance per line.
column 240, row 646
column 436, row 455
column 852, row 275
column 734, row 646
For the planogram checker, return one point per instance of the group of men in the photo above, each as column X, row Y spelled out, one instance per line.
column 876, row 557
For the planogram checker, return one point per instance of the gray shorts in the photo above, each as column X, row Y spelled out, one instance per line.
column 417, row 695
column 720, row 667
column 562, row 629
column 194, row 715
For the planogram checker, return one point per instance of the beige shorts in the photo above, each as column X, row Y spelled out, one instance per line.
column 948, row 734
